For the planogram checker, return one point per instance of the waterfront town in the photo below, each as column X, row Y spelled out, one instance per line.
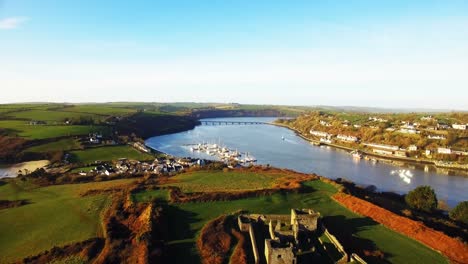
column 440, row 141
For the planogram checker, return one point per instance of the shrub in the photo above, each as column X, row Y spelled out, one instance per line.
column 460, row 212
column 422, row 198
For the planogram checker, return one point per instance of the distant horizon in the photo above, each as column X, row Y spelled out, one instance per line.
column 347, row 107
column 390, row 54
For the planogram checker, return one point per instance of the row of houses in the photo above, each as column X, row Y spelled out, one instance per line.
column 158, row 166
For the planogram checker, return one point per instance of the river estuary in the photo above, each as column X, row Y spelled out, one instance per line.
column 266, row 144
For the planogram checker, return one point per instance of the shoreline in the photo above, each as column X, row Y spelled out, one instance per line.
column 379, row 157
column 11, row 170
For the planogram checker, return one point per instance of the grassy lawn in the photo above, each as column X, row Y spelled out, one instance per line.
column 213, row 181
column 22, row 129
column 108, row 153
column 63, row 144
column 192, row 216
column 55, row 216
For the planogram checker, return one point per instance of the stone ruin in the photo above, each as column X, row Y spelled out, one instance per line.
column 286, row 235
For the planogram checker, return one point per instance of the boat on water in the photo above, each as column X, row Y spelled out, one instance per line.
column 282, row 138
column 356, row 154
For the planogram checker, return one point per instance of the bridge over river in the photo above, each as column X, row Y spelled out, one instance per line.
column 227, row 122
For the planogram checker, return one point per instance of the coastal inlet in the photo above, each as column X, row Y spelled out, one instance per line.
column 281, row 147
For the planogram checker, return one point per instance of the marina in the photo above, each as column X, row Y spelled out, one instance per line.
column 223, row 153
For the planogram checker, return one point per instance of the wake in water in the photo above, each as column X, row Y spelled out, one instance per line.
column 405, row 175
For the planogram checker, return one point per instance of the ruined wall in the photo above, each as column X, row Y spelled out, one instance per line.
column 338, row 246
column 278, row 255
column 254, row 244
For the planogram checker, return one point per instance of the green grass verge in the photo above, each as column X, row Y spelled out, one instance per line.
column 214, row 181
column 55, row 216
column 63, row 144
column 192, row 216
column 108, row 153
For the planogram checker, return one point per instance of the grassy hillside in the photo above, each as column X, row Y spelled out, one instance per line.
column 23, row 129
column 107, row 154
column 54, row 216
column 193, row 216
column 63, row 144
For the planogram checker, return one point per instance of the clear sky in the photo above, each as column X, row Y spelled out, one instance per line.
column 364, row 53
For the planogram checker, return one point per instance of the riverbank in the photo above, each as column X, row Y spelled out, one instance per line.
column 437, row 164
column 8, row 171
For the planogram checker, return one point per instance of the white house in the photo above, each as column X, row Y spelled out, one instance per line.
column 459, row 126
column 320, row 133
column 412, row 148
column 325, row 123
column 438, row 137
column 347, row 138
column 444, row 151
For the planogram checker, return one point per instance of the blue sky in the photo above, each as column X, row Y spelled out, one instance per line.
column 363, row 53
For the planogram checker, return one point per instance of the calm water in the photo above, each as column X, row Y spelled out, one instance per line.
column 264, row 143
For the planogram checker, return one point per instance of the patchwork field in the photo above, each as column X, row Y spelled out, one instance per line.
column 22, row 129
column 64, row 144
column 54, row 216
column 108, row 153
column 192, row 216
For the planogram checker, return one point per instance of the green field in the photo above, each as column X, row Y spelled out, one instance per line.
column 215, row 181
column 23, row 129
column 101, row 109
column 63, row 144
column 51, row 116
column 150, row 195
column 192, row 216
column 108, row 154
column 55, row 216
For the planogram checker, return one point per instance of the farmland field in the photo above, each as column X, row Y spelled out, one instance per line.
column 63, row 144
column 50, row 116
column 54, row 216
column 101, row 109
column 23, row 129
column 108, row 153
column 192, row 217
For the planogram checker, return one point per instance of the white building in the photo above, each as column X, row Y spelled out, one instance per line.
column 347, row 138
column 444, row 151
column 325, row 123
column 408, row 131
column 459, row 126
column 412, row 148
column 320, row 133
column 381, row 146
column 438, row 137
column 377, row 119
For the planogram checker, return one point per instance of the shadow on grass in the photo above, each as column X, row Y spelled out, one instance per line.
column 345, row 228
column 181, row 243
